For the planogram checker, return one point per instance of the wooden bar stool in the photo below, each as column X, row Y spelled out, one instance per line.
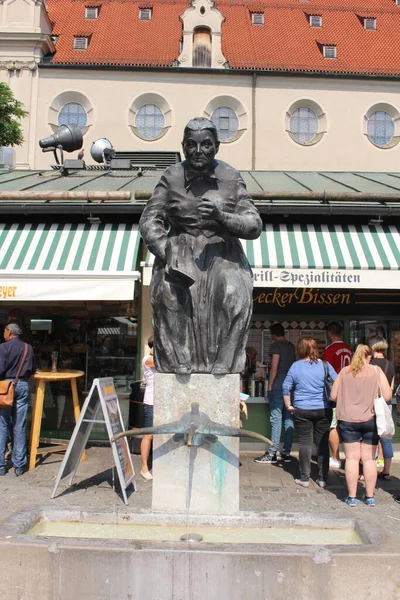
column 43, row 377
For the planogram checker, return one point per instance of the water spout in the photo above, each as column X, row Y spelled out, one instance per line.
column 191, row 433
column 194, row 428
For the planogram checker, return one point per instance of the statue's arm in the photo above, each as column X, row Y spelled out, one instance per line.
column 152, row 221
column 244, row 222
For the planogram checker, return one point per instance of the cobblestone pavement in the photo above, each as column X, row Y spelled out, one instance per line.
column 262, row 488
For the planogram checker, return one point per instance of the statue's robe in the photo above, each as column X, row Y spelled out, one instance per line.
column 201, row 289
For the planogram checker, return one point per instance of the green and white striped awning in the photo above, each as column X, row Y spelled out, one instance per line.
column 364, row 256
column 68, row 261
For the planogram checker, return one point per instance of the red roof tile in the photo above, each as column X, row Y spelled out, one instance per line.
column 285, row 41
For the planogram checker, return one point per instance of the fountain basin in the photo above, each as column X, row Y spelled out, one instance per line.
column 346, row 534
column 240, row 556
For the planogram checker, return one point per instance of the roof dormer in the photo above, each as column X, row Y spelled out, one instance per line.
column 257, row 18
column 370, row 23
column 145, row 14
column 315, row 21
column 201, row 46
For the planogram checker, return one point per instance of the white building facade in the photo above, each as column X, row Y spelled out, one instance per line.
column 269, row 118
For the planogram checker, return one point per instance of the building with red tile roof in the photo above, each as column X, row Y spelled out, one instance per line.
column 305, row 96
column 291, row 85
column 285, row 41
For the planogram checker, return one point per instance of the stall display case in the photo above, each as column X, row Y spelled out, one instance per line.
column 100, row 347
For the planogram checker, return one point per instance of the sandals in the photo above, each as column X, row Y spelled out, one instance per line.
column 146, row 475
column 384, row 476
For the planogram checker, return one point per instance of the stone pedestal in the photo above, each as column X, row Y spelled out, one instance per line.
column 204, row 478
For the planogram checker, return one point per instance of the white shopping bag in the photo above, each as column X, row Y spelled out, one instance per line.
column 384, row 421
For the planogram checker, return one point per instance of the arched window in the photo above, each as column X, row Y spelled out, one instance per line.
column 149, row 121
column 149, row 116
column 305, row 122
column 226, row 121
column 73, row 113
column 202, row 47
column 303, row 125
column 380, row 128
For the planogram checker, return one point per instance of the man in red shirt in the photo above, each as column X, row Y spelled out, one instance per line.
column 338, row 354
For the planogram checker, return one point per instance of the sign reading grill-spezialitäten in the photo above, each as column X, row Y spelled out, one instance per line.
column 325, row 278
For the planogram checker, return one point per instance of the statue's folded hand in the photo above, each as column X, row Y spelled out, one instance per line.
column 209, row 208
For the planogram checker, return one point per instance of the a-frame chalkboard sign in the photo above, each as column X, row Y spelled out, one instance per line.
column 102, row 395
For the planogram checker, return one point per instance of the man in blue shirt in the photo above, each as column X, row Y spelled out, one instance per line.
column 14, row 419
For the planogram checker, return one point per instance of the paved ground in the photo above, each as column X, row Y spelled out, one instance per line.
column 262, row 487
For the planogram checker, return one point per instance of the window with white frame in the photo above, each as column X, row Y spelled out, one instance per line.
column 370, row 24
column 73, row 113
column 257, row 18
column 306, row 122
column 229, row 116
column 71, row 107
column 91, row 12
column 380, row 128
column 303, row 125
column 150, row 116
column 315, row 21
column 329, row 51
column 145, row 14
column 202, row 48
column 149, row 121
column 81, row 43
column 226, row 121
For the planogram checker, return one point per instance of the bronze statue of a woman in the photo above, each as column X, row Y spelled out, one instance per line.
column 201, row 289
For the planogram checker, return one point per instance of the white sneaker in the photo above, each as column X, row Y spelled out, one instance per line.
column 334, row 464
column 146, row 475
column 302, row 483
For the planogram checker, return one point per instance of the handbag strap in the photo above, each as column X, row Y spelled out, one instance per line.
column 21, row 364
column 379, row 383
column 326, row 370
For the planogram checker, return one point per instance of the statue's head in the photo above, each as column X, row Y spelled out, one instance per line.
column 200, row 143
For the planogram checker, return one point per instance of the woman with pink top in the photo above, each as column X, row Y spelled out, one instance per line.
column 354, row 391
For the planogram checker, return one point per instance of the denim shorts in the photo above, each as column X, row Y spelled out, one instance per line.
column 148, row 415
column 366, row 432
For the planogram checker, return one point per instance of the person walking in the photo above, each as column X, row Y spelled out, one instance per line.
column 311, row 409
column 283, row 355
column 354, row 392
column 338, row 354
column 149, row 370
column 379, row 348
column 13, row 354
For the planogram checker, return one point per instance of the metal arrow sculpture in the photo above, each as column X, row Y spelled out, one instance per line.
column 195, row 428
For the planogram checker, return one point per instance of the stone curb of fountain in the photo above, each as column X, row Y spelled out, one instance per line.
column 262, row 487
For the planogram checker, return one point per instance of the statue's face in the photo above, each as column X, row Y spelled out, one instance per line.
column 200, row 148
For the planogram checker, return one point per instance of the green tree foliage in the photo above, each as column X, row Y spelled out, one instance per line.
column 11, row 113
